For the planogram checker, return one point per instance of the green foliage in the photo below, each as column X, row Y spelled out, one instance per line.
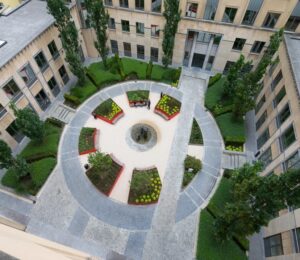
column 138, row 95
column 84, row 92
column 172, row 16
column 100, row 161
column 131, row 65
column 214, row 79
column 29, row 123
column 20, row 167
column 98, row 19
column 6, row 158
column 220, row 109
column 196, row 134
column 149, row 70
column 192, row 166
column 86, row 140
column 40, row 170
column 108, row 109
column 169, row 105
column 214, row 94
column 55, row 122
column 116, row 66
column 72, row 99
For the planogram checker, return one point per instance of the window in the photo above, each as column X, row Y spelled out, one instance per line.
column 154, row 30
column 238, row 44
column 13, row 130
column 53, row 49
column 41, row 61
column 229, row 15
column 276, row 80
column 260, row 103
column 263, row 138
column 292, row 163
column 280, row 95
column 42, row 99
column 154, row 54
column 283, row 115
column 273, row 66
column 140, row 52
column 124, row 3
column 127, row 49
column 249, row 17
column 2, row 111
column 210, row 9
column 273, row 245
column 27, row 75
column 156, row 6
column 266, row 157
column 114, row 47
column 261, row 120
column 140, row 28
column 227, row 67
column 108, row 2
column 12, row 90
column 257, row 46
column 204, row 37
column 271, row 20
column 296, row 237
column 52, row 83
column 287, row 138
column 210, row 62
column 64, row 75
column 292, row 23
column 217, row 39
column 139, row 4
column 191, row 10
column 111, row 23
column 125, row 26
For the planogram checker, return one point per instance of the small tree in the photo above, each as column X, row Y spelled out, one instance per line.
column 100, row 161
column 98, row 19
column 29, row 123
column 6, row 158
column 172, row 16
column 20, row 167
column 68, row 35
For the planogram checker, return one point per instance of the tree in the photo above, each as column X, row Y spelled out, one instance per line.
column 6, row 158
column 29, row 123
column 98, row 19
column 256, row 200
column 172, row 16
column 20, row 167
column 68, row 35
column 100, row 161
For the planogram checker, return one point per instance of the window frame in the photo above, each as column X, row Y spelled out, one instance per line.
column 53, row 49
column 32, row 80
column 124, row 24
column 187, row 10
column 65, row 78
column 156, row 31
column 153, row 10
column 127, row 53
column 270, row 22
column 140, row 5
column 279, row 121
column 226, row 16
column 3, row 111
column 239, row 44
column 154, row 58
column 140, row 51
column 268, row 251
column 137, row 27
column 252, row 19
column 113, row 49
column 16, row 95
column 44, row 66
column 282, row 139
column 123, row 3
column 111, row 23
column 257, row 47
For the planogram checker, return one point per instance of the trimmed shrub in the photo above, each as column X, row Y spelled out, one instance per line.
column 219, row 109
column 72, row 99
column 149, row 70
column 55, row 121
column 214, row 79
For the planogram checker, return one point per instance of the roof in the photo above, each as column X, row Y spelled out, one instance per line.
column 293, row 49
column 21, row 27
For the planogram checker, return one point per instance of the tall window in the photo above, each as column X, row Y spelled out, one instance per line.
column 276, row 80
column 292, row 23
column 210, row 9
column 28, row 75
column 293, row 162
column 111, row 23
column 191, row 10
column 229, row 15
column 2, row 111
column 127, row 49
column 273, row 245
column 52, row 83
column 266, row 157
column 140, row 52
column 125, row 26
column 283, row 115
column 156, row 6
column 12, row 90
column 124, row 3
column 154, row 30
column 41, row 61
column 257, row 47
column 154, row 54
column 227, row 67
column 260, row 103
column 261, row 120
column 139, row 4
column 287, row 138
column 140, row 28
column 280, row 95
column 273, row 66
column 238, row 44
column 252, row 11
column 53, row 49
column 15, row 132
column 64, row 75
column 114, row 47
column 263, row 138
column 271, row 20
column 108, row 2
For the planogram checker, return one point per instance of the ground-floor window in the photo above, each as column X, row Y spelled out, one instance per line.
column 127, row 49
column 154, row 54
column 42, row 100
column 64, row 75
column 52, row 83
column 140, row 52
column 14, row 132
column 114, row 47
column 273, row 245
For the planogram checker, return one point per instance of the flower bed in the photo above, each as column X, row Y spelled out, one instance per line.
column 234, row 146
column 105, row 179
column 145, row 187
column 108, row 111
column 87, row 140
column 167, row 107
column 137, row 97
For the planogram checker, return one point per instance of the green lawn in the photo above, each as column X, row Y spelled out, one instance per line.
column 196, row 134
column 85, row 91
column 166, row 75
column 209, row 249
column 214, row 93
column 136, row 66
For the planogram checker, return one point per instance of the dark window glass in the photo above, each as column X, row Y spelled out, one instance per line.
column 154, row 30
column 271, row 20
column 239, row 44
column 266, row 157
column 283, row 115
column 140, row 28
column 191, row 10
column 227, row 67
column 296, row 237
column 114, row 47
column 154, row 54
column 210, row 9
column 108, row 2
column 287, row 138
column 53, row 49
column 140, row 52
column 64, row 75
column 273, row 245
column 111, row 23
column 280, row 95
column 42, row 100
column 125, row 26
column 127, row 49
column 229, row 15
column 124, row 3
column 263, row 138
column 257, row 47
column 261, row 120
column 52, row 83
column 28, row 75
column 249, row 17
column 292, row 23
column 41, row 61
column 2, row 111
column 156, row 6
column 273, row 66
column 12, row 90
column 276, row 80
column 13, row 130
column 139, row 4
column 293, row 162
column 260, row 103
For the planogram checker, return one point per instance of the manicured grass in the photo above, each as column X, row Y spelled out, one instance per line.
column 209, row 249
column 107, row 109
column 214, row 94
column 145, row 187
column 138, row 95
column 196, row 134
column 104, row 180
column 85, row 91
column 136, row 66
column 166, row 75
column 86, row 139
column 231, row 129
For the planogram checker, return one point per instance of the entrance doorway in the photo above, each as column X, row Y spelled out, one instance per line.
column 198, row 60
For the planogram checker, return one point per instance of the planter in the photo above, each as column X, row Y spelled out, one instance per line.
column 164, row 115
column 92, row 150
column 112, row 121
column 167, row 107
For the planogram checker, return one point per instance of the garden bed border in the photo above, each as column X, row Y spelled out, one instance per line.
column 94, row 149
column 164, row 115
column 112, row 121
column 118, row 175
